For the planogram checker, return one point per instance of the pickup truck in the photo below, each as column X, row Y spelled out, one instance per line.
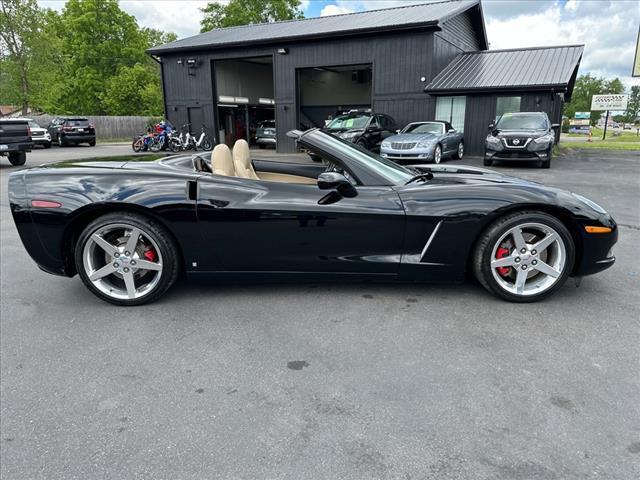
column 15, row 140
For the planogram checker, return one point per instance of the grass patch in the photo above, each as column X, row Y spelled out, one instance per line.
column 606, row 145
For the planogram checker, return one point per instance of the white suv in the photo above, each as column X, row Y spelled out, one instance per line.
column 39, row 135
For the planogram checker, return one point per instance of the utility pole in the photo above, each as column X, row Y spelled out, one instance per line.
column 606, row 121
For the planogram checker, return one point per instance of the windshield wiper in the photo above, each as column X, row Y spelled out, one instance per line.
column 420, row 176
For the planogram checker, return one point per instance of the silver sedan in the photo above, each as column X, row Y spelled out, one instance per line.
column 424, row 141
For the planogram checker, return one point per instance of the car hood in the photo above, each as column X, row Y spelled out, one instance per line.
column 518, row 133
column 411, row 137
column 468, row 175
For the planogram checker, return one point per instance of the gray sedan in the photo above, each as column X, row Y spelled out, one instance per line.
column 430, row 141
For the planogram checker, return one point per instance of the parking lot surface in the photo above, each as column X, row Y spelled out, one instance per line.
column 328, row 381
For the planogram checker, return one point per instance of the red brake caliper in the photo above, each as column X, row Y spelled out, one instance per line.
column 503, row 252
column 150, row 255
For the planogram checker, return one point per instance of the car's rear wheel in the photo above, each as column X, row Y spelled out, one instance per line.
column 524, row 257
column 126, row 259
column 460, row 151
column 437, row 154
column 92, row 143
column 17, row 158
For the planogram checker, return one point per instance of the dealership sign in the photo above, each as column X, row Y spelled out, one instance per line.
column 609, row 102
column 582, row 115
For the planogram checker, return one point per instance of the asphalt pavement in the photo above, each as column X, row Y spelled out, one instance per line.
column 327, row 381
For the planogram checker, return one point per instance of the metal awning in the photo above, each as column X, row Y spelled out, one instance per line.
column 540, row 68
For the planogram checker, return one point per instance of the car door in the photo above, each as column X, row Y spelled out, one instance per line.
column 373, row 133
column 267, row 226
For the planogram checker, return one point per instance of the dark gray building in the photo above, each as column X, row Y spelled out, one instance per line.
column 301, row 72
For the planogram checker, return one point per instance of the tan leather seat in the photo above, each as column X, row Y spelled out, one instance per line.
column 242, row 160
column 222, row 162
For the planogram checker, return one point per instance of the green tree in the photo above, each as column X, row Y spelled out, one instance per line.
column 633, row 106
column 585, row 88
column 24, row 43
column 134, row 90
column 245, row 12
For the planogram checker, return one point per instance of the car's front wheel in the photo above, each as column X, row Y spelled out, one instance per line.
column 524, row 256
column 437, row 154
column 126, row 259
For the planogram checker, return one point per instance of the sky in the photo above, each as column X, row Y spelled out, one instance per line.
column 608, row 28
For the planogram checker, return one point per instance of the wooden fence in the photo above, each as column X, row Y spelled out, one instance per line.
column 107, row 127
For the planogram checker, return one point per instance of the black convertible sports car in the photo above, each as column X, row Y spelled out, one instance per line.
column 130, row 226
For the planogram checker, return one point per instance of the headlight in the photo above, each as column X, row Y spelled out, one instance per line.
column 386, row 144
column 493, row 140
column 350, row 134
column 544, row 139
column 425, row 144
column 591, row 203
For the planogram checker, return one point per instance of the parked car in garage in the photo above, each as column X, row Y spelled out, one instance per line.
column 424, row 141
column 363, row 128
column 72, row 131
column 521, row 136
column 15, row 140
column 39, row 135
column 266, row 134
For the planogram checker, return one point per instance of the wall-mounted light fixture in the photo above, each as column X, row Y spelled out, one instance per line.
column 180, row 61
column 423, row 79
column 283, row 51
column 192, row 62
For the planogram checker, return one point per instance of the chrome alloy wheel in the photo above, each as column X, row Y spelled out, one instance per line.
column 534, row 259
column 122, row 261
column 460, row 150
column 437, row 154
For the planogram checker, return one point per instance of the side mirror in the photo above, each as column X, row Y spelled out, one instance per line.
column 398, row 131
column 555, row 125
column 451, row 130
column 338, row 182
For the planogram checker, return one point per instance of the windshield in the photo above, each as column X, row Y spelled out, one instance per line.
column 522, row 122
column 394, row 174
column 33, row 124
column 431, row 127
column 348, row 121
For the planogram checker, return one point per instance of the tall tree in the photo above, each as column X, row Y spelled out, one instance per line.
column 245, row 12
column 585, row 88
column 22, row 42
column 633, row 106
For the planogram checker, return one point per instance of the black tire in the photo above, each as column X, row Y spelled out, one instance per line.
column 175, row 146
column 61, row 141
column 487, row 162
column 167, row 246
column 92, row 143
column 206, row 145
column 458, row 155
column 17, row 158
column 47, row 145
column 136, row 145
column 362, row 143
column 484, row 247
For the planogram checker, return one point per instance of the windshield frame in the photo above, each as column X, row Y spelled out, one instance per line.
column 368, row 168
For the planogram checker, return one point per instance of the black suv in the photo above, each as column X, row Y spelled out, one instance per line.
column 72, row 130
column 523, row 135
column 362, row 128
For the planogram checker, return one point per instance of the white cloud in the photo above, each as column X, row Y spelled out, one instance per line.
column 333, row 9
